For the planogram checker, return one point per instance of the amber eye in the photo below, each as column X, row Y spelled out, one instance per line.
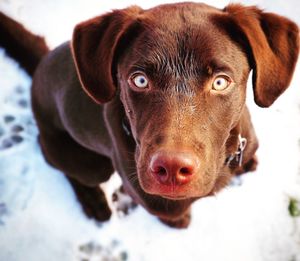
column 140, row 80
column 220, row 83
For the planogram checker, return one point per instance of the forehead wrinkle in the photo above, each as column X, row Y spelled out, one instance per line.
column 174, row 56
column 182, row 52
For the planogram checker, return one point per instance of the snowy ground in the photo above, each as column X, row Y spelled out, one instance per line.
column 41, row 220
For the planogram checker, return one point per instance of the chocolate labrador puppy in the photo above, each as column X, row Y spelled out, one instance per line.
column 159, row 96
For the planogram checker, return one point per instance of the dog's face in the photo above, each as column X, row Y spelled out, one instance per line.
column 181, row 71
column 183, row 85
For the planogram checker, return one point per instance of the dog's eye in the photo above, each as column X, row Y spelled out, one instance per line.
column 140, row 81
column 221, row 83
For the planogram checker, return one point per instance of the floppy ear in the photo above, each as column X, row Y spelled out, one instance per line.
column 94, row 46
column 274, row 43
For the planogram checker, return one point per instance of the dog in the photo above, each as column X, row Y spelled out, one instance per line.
column 158, row 95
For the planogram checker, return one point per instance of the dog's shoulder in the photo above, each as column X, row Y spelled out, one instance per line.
column 58, row 87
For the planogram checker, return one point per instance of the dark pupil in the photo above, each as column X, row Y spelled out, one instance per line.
column 219, row 82
column 142, row 80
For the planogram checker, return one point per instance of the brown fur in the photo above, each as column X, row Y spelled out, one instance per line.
column 181, row 48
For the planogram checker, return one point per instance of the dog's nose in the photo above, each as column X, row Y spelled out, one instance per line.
column 173, row 168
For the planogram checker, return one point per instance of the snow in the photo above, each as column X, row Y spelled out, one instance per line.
column 40, row 218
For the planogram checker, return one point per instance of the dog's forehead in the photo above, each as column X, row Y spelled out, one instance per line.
column 182, row 35
column 176, row 17
column 187, row 12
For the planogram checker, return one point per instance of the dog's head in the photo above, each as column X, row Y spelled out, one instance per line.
column 181, row 71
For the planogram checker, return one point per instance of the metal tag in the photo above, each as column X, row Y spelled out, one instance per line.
column 240, row 151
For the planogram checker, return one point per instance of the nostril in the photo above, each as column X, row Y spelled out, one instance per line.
column 161, row 171
column 158, row 169
column 186, row 171
column 184, row 175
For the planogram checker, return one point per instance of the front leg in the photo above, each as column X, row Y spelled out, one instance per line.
column 92, row 200
column 84, row 168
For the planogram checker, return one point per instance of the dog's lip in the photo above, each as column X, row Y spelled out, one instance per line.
column 174, row 197
column 171, row 193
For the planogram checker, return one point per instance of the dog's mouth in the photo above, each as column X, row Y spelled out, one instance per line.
column 168, row 192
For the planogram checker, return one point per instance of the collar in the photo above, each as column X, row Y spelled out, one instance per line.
column 238, row 155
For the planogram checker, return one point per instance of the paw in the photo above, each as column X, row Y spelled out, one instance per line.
column 123, row 202
column 97, row 210
column 182, row 222
column 93, row 201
